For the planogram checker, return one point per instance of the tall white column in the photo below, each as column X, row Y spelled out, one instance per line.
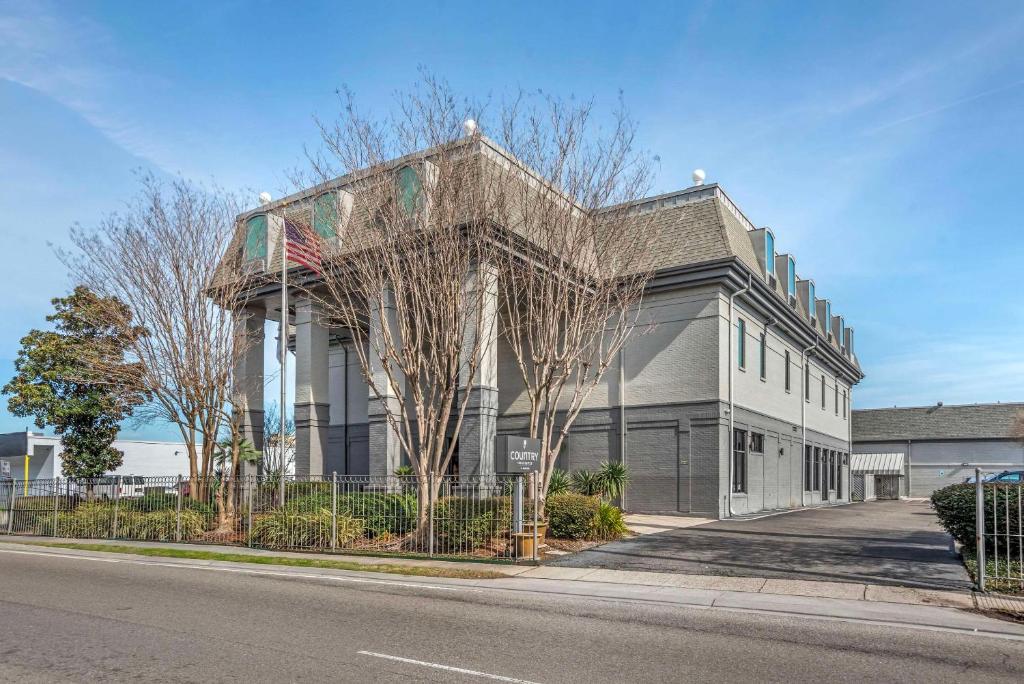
column 480, row 423
column 312, row 399
column 248, row 378
column 384, row 445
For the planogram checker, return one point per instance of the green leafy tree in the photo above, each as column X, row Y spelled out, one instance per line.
column 57, row 384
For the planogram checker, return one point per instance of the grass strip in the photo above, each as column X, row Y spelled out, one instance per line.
column 329, row 563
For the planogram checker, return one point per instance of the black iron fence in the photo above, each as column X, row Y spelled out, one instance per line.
column 481, row 517
column 999, row 535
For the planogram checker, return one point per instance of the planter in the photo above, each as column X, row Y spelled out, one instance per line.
column 524, row 545
column 542, row 529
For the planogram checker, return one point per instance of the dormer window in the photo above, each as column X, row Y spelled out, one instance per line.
column 791, row 278
column 325, row 215
column 812, row 314
column 828, row 318
column 410, row 190
column 256, row 238
column 769, row 255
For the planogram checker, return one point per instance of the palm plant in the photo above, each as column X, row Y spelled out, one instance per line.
column 614, row 477
column 559, row 482
column 587, row 483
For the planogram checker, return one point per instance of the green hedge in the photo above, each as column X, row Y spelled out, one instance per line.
column 284, row 529
column 955, row 507
column 571, row 515
column 382, row 513
column 464, row 524
column 95, row 520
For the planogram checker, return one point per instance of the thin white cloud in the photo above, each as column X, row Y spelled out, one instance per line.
column 944, row 107
column 74, row 61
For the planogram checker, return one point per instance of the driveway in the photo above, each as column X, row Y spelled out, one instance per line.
column 895, row 543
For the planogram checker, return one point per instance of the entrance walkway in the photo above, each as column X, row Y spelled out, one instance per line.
column 894, row 543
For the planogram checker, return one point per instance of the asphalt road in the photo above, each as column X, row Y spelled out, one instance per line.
column 882, row 542
column 67, row 618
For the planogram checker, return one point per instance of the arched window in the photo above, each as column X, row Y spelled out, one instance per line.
column 325, row 215
column 256, row 238
column 410, row 190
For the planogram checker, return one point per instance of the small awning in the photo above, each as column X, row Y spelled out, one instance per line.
column 877, row 464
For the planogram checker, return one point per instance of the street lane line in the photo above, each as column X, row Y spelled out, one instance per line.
column 246, row 571
column 64, row 555
column 446, row 668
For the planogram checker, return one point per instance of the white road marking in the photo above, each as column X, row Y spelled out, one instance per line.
column 245, row 571
column 446, row 668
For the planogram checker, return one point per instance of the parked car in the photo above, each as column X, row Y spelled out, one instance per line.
column 1007, row 477
column 124, row 486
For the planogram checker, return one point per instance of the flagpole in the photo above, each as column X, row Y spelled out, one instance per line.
column 283, row 347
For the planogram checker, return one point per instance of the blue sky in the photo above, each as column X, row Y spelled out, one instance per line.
column 880, row 141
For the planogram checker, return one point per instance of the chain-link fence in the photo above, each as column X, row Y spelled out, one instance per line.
column 482, row 517
column 999, row 535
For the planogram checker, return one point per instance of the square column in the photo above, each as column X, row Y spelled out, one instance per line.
column 384, row 445
column 480, row 423
column 248, row 379
column 312, row 400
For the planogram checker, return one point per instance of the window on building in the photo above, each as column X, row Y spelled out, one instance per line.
column 757, row 442
column 763, row 352
column 325, row 215
column 831, row 469
column 256, row 238
column 791, row 277
column 828, row 318
column 811, row 313
column 807, row 380
column 824, row 474
column 739, row 461
column 808, row 468
column 822, row 391
column 769, row 254
column 817, row 468
column 846, row 400
column 836, row 392
column 741, row 343
column 787, row 371
column 410, row 190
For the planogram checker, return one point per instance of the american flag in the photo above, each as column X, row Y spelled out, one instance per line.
column 303, row 246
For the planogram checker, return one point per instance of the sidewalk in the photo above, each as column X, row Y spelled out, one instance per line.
column 757, row 585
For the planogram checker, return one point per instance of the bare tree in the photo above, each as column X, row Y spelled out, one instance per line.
column 170, row 256
column 413, row 275
column 576, row 259
column 274, row 456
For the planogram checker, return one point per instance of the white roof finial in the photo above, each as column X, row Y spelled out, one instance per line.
column 265, row 198
column 469, row 127
column 699, row 176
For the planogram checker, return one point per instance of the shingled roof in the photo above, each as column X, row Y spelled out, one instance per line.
column 970, row 421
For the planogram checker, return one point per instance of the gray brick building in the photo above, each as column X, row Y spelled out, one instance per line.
column 941, row 445
column 745, row 366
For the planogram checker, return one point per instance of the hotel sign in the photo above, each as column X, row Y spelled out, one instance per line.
column 517, row 454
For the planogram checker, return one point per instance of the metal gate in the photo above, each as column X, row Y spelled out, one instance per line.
column 887, row 486
column 999, row 534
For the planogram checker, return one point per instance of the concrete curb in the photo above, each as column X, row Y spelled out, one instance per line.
column 759, row 585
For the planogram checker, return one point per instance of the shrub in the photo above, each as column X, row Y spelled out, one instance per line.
column 95, row 520
column 955, row 507
column 283, row 529
column 382, row 513
column 160, row 525
column 559, row 482
column 608, row 522
column 571, row 515
column 587, row 483
column 463, row 524
column 613, row 478
column 164, row 502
